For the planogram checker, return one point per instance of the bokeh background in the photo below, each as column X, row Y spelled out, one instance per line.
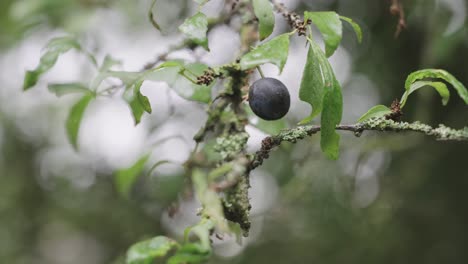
column 390, row 198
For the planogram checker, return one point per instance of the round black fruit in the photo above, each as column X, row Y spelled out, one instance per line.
column 269, row 99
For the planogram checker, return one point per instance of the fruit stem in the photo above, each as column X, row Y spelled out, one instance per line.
column 260, row 72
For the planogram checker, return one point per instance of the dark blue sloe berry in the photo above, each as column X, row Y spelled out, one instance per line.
column 269, row 99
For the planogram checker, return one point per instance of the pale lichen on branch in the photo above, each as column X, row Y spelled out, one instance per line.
column 376, row 124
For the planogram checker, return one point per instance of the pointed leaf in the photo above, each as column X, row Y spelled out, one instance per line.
column 74, row 118
column 356, row 27
column 190, row 253
column 137, row 101
column 195, row 28
column 376, row 111
column 438, row 74
column 132, row 80
column 148, row 251
column 168, row 75
column 317, row 77
column 440, row 87
column 54, row 49
column 151, row 15
column 263, row 10
column 60, row 89
column 171, row 73
column 174, row 73
column 331, row 117
column 330, row 26
column 274, row 51
column 125, row 178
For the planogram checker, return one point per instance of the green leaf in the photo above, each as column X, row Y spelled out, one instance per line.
column 202, row 230
column 190, row 253
column 322, row 91
column 133, row 81
column 189, row 90
column 125, row 178
column 146, row 252
column 174, row 73
column 274, row 51
column 137, row 101
column 263, row 10
column 440, row 87
column 167, row 72
column 316, row 78
column 60, row 89
column 376, row 111
column 356, row 27
column 331, row 117
column 151, row 15
column 330, row 26
column 128, row 78
column 438, row 74
column 195, row 28
column 74, row 118
column 54, row 49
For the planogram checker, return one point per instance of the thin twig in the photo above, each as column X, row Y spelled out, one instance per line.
column 292, row 135
column 163, row 56
column 294, row 20
column 396, row 9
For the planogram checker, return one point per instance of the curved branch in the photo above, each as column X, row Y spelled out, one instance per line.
column 380, row 124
